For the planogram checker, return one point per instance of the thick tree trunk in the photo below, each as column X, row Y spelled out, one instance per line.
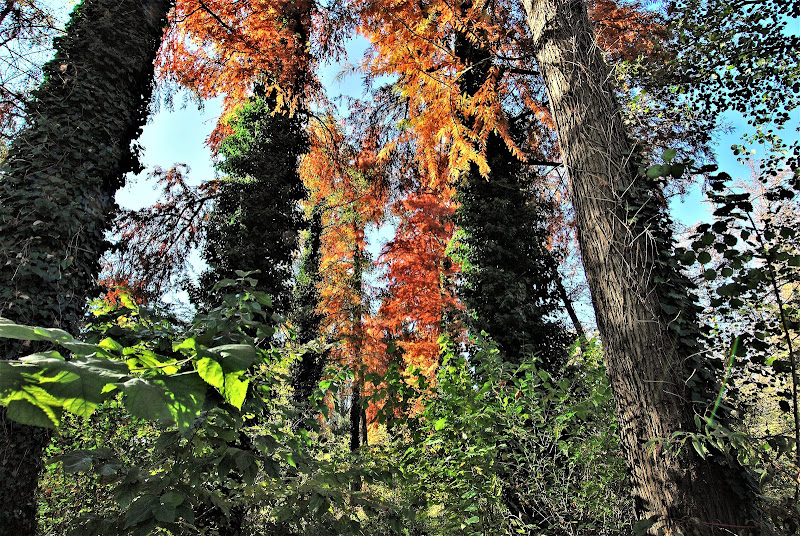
column 57, row 197
column 646, row 367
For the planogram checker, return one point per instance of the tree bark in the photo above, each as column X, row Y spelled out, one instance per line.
column 647, row 367
column 57, row 197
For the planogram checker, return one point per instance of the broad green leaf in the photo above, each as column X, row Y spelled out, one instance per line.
column 77, row 461
column 110, row 344
column 26, row 412
column 145, row 400
column 165, row 513
column 12, row 330
column 655, row 171
column 235, row 357
column 185, row 394
column 140, row 510
column 235, row 390
column 211, row 372
column 668, row 155
column 188, row 344
column 80, row 384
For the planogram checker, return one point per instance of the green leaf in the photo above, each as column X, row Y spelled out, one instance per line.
column 12, row 330
column 165, row 513
column 658, row 170
column 704, row 257
column 173, row 497
column 668, row 155
column 235, row 357
column 234, row 389
column 677, row 171
column 139, row 510
column 77, row 461
column 699, row 447
column 211, row 372
column 472, row 520
column 440, row 424
column 145, row 400
column 185, row 394
column 81, row 383
column 643, row 525
column 26, row 412
column 110, row 344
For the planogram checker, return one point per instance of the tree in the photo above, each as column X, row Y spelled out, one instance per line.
column 306, row 319
column 216, row 47
column 351, row 193
column 154, row 243
column 509, row 275
column 26, row 30
column 646, row 318
column 419, row 300
column 57, row 195
column 256, row 219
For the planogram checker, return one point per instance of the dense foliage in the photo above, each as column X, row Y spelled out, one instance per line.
column 503, row 252
column 256, row 218
column 378, row 343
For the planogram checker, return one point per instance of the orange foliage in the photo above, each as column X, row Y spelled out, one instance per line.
column 353, row 197
column 419, row 276
column 415, row 42
column 223, row 47
column 626, row 31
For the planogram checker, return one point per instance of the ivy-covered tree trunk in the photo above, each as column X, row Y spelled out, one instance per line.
column 509, row 276
column 307, row 320
column 257, row 217
column 57, row 197
column 649, row 353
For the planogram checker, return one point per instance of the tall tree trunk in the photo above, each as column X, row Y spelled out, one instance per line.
column 307, row 320
column 57, row 197
column 356, row 408
column 647, row 363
